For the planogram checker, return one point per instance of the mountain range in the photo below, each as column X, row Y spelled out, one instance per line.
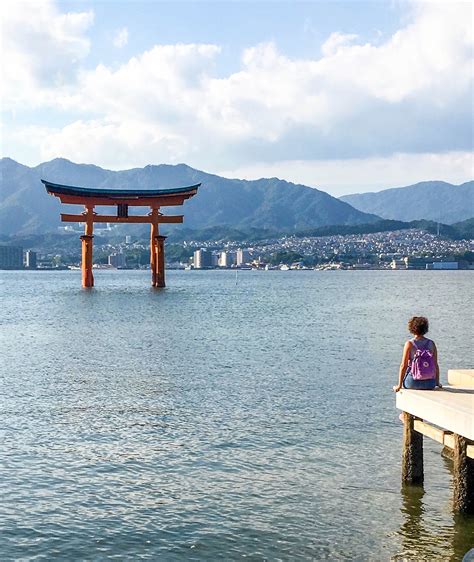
column 271, row 203
column 265, row 203
column 429, row 200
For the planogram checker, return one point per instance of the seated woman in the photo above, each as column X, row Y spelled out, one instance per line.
column 419, row 369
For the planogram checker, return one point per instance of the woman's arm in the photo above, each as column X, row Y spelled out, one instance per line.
column 403, row 366
column 435, row 357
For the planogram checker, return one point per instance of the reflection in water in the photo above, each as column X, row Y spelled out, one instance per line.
column 423, row 539
column 412, row 528
column 463, row 536
column 463, row 526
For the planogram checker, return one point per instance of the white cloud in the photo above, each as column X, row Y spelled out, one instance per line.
column 357, row 102
column 130, row 143
column 41, row 50
column 336, row 41
column 121, row 38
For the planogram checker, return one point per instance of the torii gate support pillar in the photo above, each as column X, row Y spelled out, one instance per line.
column 157, row 251
column 87, row 248
column 160, row 261
column 87, row 276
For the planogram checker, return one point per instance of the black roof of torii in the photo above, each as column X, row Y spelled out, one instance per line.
column 59, row 189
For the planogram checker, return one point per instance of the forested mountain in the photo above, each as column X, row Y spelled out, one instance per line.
column 431, row 200
column 271, row 203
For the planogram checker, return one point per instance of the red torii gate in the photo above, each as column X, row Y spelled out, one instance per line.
column 122, row 199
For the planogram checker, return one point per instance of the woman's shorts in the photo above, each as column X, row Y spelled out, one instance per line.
column 410, row 382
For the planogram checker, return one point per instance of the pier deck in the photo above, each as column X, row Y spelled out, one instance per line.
column 451, row 408
column 447, row 416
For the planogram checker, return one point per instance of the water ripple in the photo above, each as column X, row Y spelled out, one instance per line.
column 214, row 421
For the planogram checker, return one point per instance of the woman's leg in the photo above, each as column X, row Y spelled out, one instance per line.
column 408, row 381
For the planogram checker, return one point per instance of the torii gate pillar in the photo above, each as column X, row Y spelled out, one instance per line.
column 160, row 261
column 157, row 251
column 87, row 248
column 87, row 275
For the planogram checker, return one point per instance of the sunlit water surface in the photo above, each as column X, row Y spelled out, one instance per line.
column 228, row 416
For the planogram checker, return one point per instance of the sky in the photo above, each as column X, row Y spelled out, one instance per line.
column 345, row 96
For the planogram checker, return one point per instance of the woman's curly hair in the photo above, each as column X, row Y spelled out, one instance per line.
column 418, row 325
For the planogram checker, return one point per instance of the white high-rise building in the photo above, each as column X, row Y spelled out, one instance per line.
column 243, row 257
column 202, row 259
column 226, row 259
column 31, row 259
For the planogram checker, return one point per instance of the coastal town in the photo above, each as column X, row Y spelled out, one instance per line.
column 401, row 249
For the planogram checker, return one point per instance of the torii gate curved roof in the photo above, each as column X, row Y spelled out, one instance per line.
column 100, row 196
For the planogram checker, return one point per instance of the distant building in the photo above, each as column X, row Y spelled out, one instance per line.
column 226, row 259
column 398, row 264
column 11, row 257
column 243, row 257
column 117, row 260
column 443, row 265
column 31, row 259
column 202, row 259
column 215, row 259
column 416, row 263
column 128, row 239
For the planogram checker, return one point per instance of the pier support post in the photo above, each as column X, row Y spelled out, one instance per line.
column 463, row 497
column 412, row 460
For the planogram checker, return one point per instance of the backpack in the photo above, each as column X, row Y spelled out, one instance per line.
column 422, row 365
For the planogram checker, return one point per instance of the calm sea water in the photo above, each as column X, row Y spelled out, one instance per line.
column 225, row 417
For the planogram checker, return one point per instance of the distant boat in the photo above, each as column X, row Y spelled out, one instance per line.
column 284, row 267
column 103, row 266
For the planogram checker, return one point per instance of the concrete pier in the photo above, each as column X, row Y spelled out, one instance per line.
column 447, row 416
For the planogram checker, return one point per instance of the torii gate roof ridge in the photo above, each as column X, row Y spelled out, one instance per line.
column 59, row 189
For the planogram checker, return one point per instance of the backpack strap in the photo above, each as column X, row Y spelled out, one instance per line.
column 426, row 345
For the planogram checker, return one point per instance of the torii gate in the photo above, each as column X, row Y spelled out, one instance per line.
column 122, row 199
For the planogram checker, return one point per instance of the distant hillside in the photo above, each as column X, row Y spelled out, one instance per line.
column 457, row 231
column 430, row 200
column 266, row 203
column 67, row 243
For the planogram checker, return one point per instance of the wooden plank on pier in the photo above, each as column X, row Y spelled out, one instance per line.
column 449, row 440
column 430, row 431
column 444, row 437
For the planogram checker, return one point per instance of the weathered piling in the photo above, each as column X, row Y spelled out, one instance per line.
column 412, row 460
column 463, row 498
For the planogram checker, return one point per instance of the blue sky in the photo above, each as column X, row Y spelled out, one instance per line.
column 298, row 28
column 344, row 96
